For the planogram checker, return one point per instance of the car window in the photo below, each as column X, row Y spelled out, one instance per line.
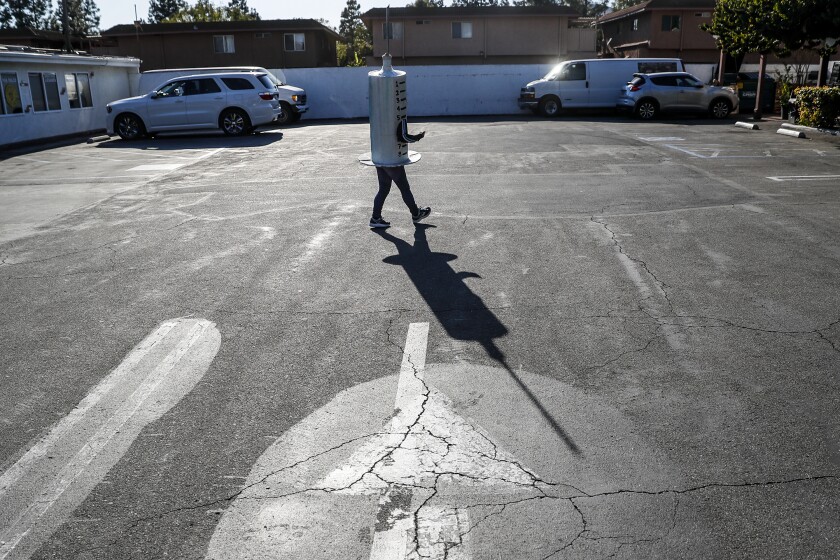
column 172, row 89
column 665, row 81
column 688, row 81
column 573, row 71
column 266, row 81
column 208, row 85
column 238, row 83
column 637, row 81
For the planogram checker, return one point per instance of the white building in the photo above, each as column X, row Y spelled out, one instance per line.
column 46, row 94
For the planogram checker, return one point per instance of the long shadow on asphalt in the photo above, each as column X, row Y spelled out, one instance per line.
column 461, row 312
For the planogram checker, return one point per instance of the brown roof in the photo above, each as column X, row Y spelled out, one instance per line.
column 448, row 12
column 659, row 5
column 219, row 26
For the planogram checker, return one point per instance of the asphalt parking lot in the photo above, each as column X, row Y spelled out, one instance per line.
column 610, row 339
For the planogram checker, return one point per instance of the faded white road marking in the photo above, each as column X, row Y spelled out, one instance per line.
column 661, row 138
column 157, row 167
column 782, row 178
column 339, row 471
column 44, row 486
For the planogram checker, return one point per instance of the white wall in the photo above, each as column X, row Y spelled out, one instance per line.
column 110, row 80
column 342, row 93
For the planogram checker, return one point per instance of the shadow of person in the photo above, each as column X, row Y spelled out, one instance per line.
column 460, row 311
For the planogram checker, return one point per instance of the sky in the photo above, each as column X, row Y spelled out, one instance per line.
column 116, row 12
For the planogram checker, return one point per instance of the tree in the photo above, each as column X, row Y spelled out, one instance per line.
column 427, row 4
column 357, row 40
column 205, row 10
column 762, row 26
column 621, row 4
column 820, row 20
column 480, row 3
column 82, row 17
column 589, row 7
column 161, row 10
column 238, row 10
column 24, row 13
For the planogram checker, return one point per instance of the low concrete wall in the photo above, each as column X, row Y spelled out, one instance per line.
column 342, row 93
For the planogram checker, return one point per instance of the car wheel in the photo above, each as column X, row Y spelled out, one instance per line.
column 287, row 116
column 295, row 117
column 720, row 108
column 647, row 109
column 549, row 106
column 234, row 122
column 129, row 126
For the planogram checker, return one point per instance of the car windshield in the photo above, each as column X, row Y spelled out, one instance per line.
column 555, row 72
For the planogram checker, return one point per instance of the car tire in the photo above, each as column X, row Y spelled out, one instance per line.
column 287, row 116
column 129, row 126
column 647, row 109
column 234, row 122
column 720, row 109
column 550, row 106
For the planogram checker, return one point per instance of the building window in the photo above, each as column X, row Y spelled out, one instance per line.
column 461, row 30
column 294, row 41
column 223, row 44
column 10, row 99
column 78, row 90
column 670, row 23
column 392, row 30
column 636, row 24
column 44, row 88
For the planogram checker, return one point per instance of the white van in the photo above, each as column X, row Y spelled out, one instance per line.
column 592, row 83
column 292, row 99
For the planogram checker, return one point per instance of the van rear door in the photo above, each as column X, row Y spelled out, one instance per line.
column 574, row 85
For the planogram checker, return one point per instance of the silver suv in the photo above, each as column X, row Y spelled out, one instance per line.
column 649, row 94
column 236, row 102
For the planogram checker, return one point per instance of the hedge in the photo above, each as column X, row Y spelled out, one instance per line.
column 819, row 107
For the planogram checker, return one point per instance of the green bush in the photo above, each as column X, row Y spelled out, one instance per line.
column 818, row 107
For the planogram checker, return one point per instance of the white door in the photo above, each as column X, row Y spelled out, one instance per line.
column 167, row 108
column 574, row 85
column 205, row 100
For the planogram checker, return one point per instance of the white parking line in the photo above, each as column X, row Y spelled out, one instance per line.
column 48, row 483
column 782, row 178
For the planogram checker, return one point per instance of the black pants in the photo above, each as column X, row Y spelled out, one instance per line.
column 397, row 175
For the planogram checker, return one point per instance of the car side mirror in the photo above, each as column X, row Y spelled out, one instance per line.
column 699, row 86
column 154, row 95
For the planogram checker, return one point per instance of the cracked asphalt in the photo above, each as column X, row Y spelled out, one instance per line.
column 633, row 346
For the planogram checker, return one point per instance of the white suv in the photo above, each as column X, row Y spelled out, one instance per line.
column 236, row 102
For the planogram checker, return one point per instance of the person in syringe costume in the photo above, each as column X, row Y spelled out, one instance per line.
column 389, row 139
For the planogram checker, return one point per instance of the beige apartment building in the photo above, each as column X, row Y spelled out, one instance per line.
column 479, row 35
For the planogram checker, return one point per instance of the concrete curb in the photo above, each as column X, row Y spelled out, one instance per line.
column 789, row 132
column 804, row 128
column 748, row 125
column 98, row 139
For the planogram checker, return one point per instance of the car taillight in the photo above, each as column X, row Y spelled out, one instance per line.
column 267, row 96
column 634, row 88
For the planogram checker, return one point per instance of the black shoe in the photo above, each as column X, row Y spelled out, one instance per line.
column 421, row 213
column 379, row 223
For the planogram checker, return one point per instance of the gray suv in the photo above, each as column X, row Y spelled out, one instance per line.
column 649, row 94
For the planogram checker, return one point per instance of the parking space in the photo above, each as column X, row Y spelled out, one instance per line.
column 610, row 339
column 40, row 185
